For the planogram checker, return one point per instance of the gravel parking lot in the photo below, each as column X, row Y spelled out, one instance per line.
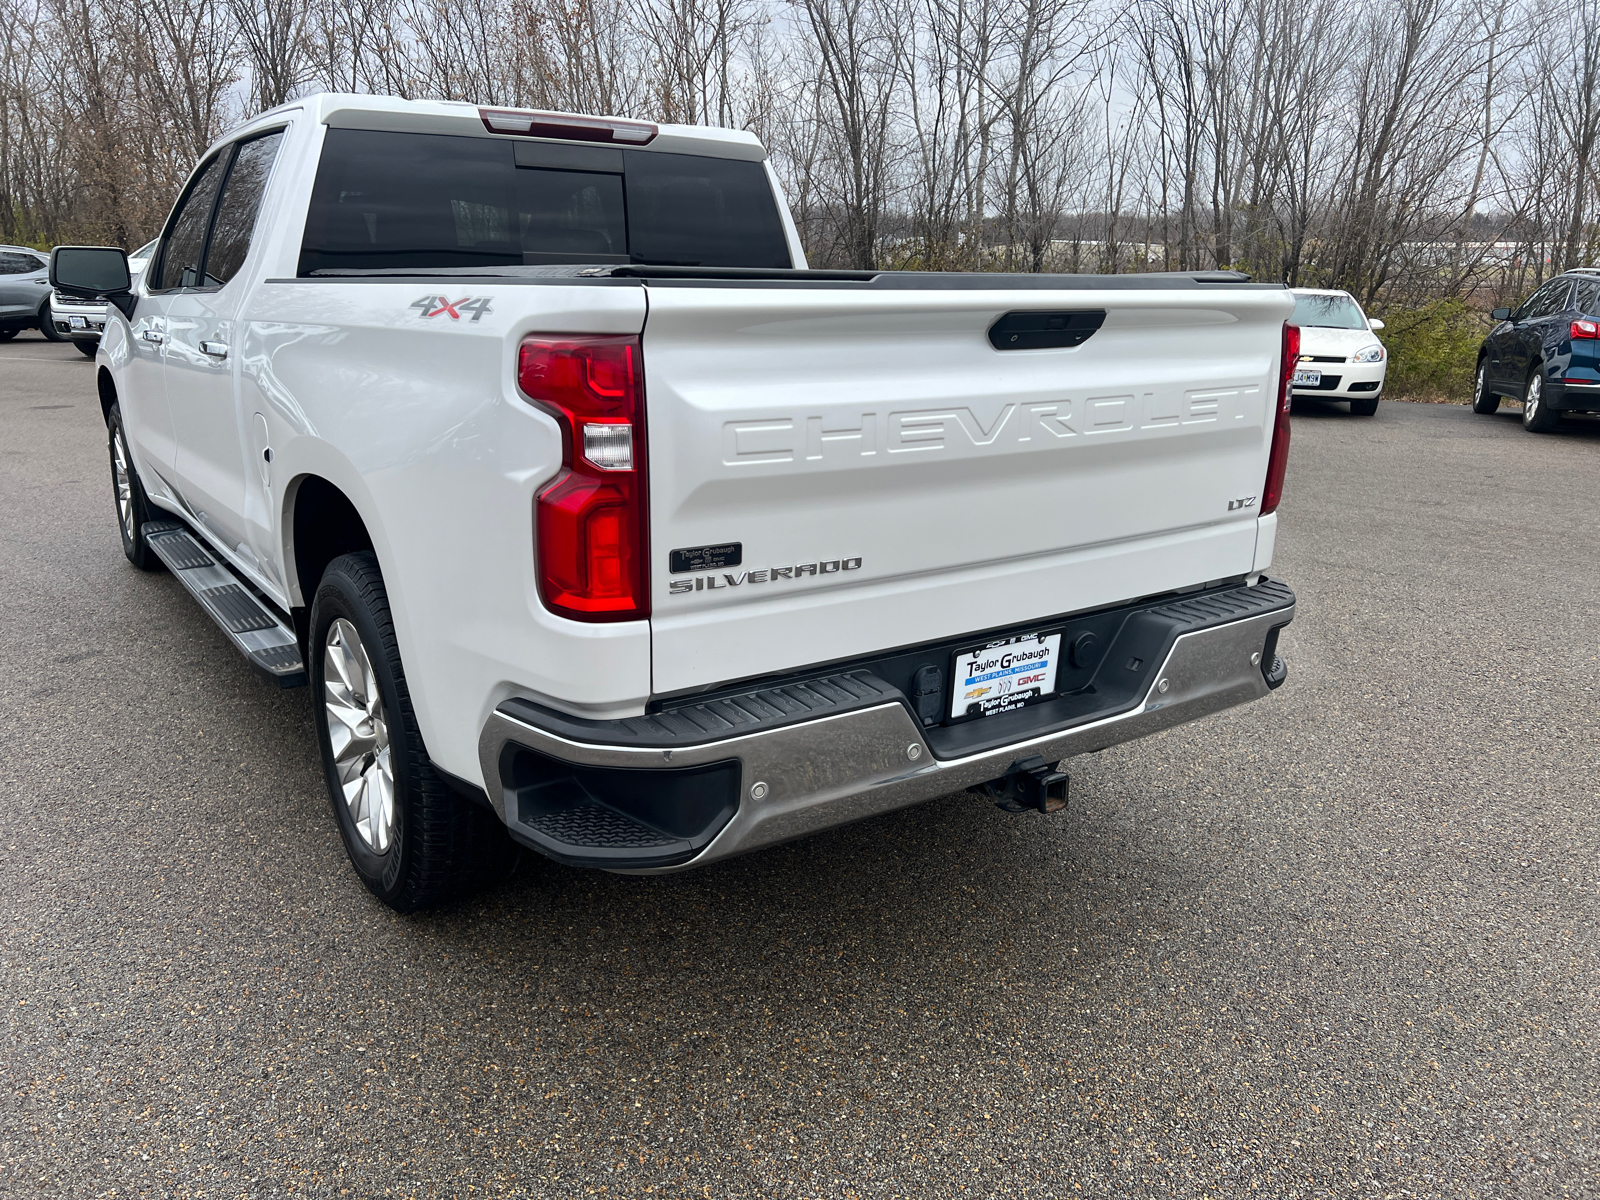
column 1341, row 942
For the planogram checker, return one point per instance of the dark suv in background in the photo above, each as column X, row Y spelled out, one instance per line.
column 1546, row 353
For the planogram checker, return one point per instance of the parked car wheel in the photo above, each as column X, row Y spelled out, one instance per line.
column 47, row 325
column 1365, row 406
column 1484, row 399
column 87, row 349
column 1537, row 416
column 413, row 841
column 133, row 509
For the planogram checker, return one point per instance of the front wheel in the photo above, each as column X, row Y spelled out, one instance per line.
column 133, row 508
column 413, row 841
column 1484, row 400
column 47, row 326
column 1537, row 416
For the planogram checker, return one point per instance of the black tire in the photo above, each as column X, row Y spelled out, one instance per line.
column 1484, row 400
column 127, row 494
column 1365, row 406
column 47, row 326
column 431, row 844
column 87, row 349
column 1538, row 416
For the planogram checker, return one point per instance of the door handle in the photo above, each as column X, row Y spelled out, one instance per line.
column 153, row 335
column 214, row 349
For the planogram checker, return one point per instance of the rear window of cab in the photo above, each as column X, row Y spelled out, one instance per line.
column 411, row 200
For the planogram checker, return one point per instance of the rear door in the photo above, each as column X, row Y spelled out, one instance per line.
column 200, row 361
column 1531, row 322
column 23, row 286
column 840, row 470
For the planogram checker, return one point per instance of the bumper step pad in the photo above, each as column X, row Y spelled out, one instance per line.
column 263, row 637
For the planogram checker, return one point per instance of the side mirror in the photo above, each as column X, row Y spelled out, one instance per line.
column 93, row 273
column 1500, row 314
column 1374, row 325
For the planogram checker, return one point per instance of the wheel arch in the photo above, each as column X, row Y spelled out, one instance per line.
column 320, row 522
column 107, row 387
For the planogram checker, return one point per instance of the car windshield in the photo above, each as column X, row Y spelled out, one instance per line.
column 1327, row 312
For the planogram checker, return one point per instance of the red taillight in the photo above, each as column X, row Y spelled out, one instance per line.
column 1278, row 460
column 1586, row 329
column 591, row 521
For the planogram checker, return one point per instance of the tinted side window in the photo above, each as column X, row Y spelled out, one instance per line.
column 1586, row 298
column 18, row 264
column 1551, row 298
column 687, row 210
column 180, row 256
column 236, row 214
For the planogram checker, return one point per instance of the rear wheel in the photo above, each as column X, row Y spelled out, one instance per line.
column 412, row 840
column 1484, row 399
column 1365, row 406
column 48, row 326
column 133, row 509
column 1537, row 416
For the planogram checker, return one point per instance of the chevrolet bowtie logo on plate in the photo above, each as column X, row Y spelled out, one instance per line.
column 443, row 306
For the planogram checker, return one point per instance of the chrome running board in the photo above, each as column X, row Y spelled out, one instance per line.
column 255, row 630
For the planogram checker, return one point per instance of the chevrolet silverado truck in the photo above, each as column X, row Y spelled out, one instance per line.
column 592, row 516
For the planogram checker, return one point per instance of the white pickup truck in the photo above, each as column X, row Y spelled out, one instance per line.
column 591, row 515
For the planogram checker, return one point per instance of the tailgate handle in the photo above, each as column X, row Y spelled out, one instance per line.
column 1045, row 330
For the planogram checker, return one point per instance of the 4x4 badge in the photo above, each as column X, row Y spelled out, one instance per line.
column 433, row 306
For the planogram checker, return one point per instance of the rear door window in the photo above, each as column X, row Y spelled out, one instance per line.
column 410, row 200
column 236, row 212
column 180, row 255
column 1551, row 298
column 19, row 264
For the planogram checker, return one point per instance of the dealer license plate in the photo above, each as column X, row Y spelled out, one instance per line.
column 77, row 322
column 1304, row 378
column 1004, row 675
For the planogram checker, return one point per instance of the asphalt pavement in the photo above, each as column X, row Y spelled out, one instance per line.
column 1341, row 942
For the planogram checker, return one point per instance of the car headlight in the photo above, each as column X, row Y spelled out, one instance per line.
column 1369, row 354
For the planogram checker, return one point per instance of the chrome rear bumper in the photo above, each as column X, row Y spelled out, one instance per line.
column 806, row 777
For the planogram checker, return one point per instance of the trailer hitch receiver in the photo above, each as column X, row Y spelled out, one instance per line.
column 1031, row 785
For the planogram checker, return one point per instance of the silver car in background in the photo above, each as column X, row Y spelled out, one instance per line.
column 24, row 292
column 83, row 321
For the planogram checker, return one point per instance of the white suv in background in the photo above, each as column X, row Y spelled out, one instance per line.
column 83, row 321
column 1340, row 356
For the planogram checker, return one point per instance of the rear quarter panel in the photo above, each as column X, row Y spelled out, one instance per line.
column 419, row 422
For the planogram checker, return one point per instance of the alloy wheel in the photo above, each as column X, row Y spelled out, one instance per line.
column 1530, row 403
column 124, row 484
column 359, row 735
column 1477, row 388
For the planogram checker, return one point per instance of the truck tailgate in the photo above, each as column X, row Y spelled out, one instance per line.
column 838, row 470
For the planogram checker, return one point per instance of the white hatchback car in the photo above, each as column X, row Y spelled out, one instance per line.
column 1340, row 358
column 83, row 321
